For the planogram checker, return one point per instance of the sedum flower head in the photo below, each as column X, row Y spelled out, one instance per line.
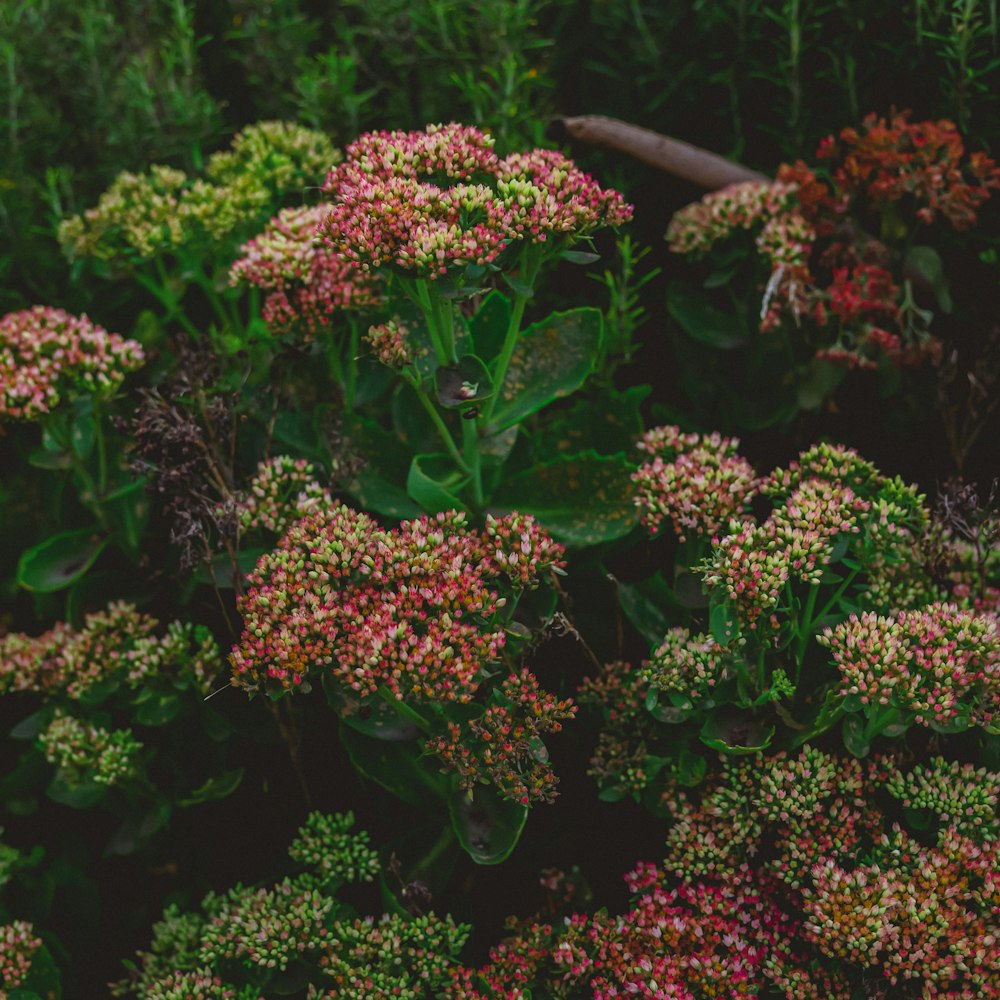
column 84, row 752
column 410, row 609
column 938, row 662
column 266, row 928
column 117, row 644
column 390, row 342
column 47, row 355
column 201, row 984
column 963, row 797
column 283, row 490
column 305, row 281
column 503, row 746
column 429, row 201
column 18, row 944
column 142, row 216
column 326, row 846
column 697, row 482
column 687, row 664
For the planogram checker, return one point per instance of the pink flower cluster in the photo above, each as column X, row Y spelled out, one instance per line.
column 389, row 342
column 431, row 200
column 686, row 664
column 859, row 305
column 283, row 490
column 698, row 482
column 46, row 355
column 119, row 643
column 305, row 281
column 503, row 746
column 828, row 494
column 864, row 899
column 116, row 644
column 699, row 939
column 939, row 662
column 410, row 609
column 18, row 943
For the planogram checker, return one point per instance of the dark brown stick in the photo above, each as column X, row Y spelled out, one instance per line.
column 699, row 166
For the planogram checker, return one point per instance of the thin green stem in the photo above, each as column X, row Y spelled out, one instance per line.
column 431, row 315
column 353, row 350
column 805, row 624
column 102, row 454
column 91, row 493
column 440, row 846
column 529, row 273
column 166, row 298
column 470, row 441
column 837, row 595
column 442, row 429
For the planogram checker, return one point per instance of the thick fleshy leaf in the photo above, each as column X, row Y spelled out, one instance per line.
column 581, row 499
column 552, row 359
column 704, row 322
column 60, row 560
column 488, row 327
column 215, row 788
column 463, row 385
column 488, row 826
column 735, row 734
column 397, row 767
column 609, row 423
column 378, row 482
column 433, row 483
column 647, row 605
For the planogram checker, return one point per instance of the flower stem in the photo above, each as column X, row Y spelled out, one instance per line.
column 442, row 429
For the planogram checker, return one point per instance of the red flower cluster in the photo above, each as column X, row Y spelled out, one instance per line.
column 887, row 161
column 503, row 746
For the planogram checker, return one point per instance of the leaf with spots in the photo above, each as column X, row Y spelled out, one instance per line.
column 551, row 360
column 581, row 499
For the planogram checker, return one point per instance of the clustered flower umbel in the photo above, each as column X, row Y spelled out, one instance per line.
column 390, row 343
column 503, row 746
column 119, row 643
column 410, row 608
column 306, row 282
column 262, row 933
column 698, row 482
column 163, row 210
column 48, row 355
column 328, row 848
column 939, row 662
column 829, row 493
column 18, row 944
column 874, row 902
column 283, row 490
column 882, row 163
column 430, row 200
column 85, row 752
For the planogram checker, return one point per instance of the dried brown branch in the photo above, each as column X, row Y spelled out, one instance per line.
column 690, row 163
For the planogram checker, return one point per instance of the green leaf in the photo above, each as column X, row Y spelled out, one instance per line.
column 704, row 322
column 433, row 482
column 487, row 826
column 377, row 484
column 463, row 385
column 488, row 327
column 613, row 793
column 128, row 512
column 579, row 256
column 926, row 262
column 138, row 828
column 60, row 560
column 820, row 382
column 551, row 360
column 215, row 788
column 724, row 624
column 691, row 768
column 689, row 589
column 735, row 734
column 854, row 736
column 81, row 795
column 397, row 767
column 29, row 727
column 609, row 423
column 157, row 709
column 646, row 604
column 581, row 499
